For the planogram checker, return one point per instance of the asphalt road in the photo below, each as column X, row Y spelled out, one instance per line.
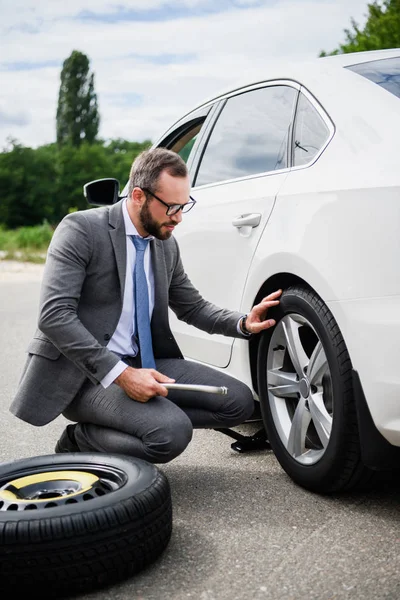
column 242, row 530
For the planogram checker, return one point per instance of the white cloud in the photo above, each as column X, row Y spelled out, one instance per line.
column 227, row 46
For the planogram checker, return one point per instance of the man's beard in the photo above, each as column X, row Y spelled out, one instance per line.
column 151, row 226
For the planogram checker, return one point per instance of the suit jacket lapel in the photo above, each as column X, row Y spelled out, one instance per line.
column 164, row 344
column 118, row 239
column 160, row 279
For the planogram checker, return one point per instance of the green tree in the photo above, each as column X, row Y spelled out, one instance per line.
column 120, row 155
column 45, row 183
column 27, row 184
column 381, row 30
column 75, row 167
column 77, row 112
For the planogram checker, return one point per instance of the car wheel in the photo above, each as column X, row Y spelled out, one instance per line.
column 306, row 396
column 74, row 522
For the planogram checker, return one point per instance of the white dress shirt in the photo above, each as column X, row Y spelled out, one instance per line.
column 123, row 341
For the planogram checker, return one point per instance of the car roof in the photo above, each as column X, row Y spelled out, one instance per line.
column 296, row 69
column 352, row 58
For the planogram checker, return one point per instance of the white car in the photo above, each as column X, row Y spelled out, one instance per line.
column 297, row 182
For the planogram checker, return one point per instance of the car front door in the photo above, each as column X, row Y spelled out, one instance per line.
column 237, row 173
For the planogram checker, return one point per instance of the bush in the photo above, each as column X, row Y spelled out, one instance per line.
column 46, row 183
column 37, row 237
column 25, row 243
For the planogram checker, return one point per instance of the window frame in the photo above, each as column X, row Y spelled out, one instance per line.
column 220, row 103
column 326, row 119
column 202, row 115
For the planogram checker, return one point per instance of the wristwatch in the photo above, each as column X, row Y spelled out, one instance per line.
column 245, row 331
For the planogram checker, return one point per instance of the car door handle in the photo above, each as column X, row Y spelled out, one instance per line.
column 247, row 220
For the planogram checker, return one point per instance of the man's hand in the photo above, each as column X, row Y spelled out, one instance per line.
column 143, row 384
column 256, row 321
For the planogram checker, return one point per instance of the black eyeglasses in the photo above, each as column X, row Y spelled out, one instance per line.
column 173, row 209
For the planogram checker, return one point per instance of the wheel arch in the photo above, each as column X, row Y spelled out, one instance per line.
column 376, row 452
column 275, row 282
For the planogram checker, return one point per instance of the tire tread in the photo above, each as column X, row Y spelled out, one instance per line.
column 87, row 550
column 352, row 473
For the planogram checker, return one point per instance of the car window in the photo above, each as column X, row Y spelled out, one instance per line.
column 384, row 72
column 310, row 132
column 250, row 135
column 182, row 136
column 184, row 145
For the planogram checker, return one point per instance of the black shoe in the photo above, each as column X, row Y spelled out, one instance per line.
column 67, row 442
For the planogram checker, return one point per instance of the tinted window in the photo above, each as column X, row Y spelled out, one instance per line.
column 187, row 148
column 310, row 132
column 384, row 72
column 184, row 144
column 250, row 135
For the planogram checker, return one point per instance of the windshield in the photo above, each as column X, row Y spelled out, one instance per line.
column 384, row 72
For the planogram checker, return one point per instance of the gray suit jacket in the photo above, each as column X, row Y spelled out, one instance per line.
column 80, row 306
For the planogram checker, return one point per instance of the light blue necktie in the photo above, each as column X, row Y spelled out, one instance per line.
column 143, row 329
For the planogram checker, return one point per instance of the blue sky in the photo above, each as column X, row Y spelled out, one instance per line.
column 152, row 60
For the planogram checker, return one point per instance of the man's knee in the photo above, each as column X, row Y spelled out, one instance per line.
column 166, row 443
column 239, row 406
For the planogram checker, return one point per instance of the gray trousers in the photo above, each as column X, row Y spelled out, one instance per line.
column 160, row 429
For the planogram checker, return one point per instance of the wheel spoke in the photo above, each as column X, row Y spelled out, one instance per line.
column 298, row 430
column 295, row 348
column 318, row 365
column 282, row 384
column 321, row 418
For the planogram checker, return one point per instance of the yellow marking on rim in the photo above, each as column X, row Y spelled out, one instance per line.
column 6, row 495
column 86, row 481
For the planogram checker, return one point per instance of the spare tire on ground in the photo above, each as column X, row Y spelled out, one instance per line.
column 74, row 522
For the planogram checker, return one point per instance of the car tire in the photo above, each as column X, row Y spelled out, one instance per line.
column 76, row 522
column 306, row 396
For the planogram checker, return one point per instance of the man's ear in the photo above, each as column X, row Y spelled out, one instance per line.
column 137, row 196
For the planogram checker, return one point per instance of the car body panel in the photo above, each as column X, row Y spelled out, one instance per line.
column 217, row 255
column 371, row 328
column 332, row 224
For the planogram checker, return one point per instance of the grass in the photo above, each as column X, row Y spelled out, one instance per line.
column 28, row 244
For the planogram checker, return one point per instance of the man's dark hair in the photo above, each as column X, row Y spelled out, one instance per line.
column 148, row 166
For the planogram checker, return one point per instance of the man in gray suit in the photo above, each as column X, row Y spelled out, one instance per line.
column 94, row 361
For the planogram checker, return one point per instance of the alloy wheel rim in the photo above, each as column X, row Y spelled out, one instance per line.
column 300, row 389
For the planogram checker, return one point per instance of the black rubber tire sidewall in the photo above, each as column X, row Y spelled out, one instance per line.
column 141, row 475
column 342, row 452
column 80, row 547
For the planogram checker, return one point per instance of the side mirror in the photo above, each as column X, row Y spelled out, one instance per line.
column 102, row 192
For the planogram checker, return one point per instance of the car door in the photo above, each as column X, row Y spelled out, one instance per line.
column 238, row 170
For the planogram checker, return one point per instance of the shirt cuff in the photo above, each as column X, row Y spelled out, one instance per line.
column 113, row 374
column 246, row 335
